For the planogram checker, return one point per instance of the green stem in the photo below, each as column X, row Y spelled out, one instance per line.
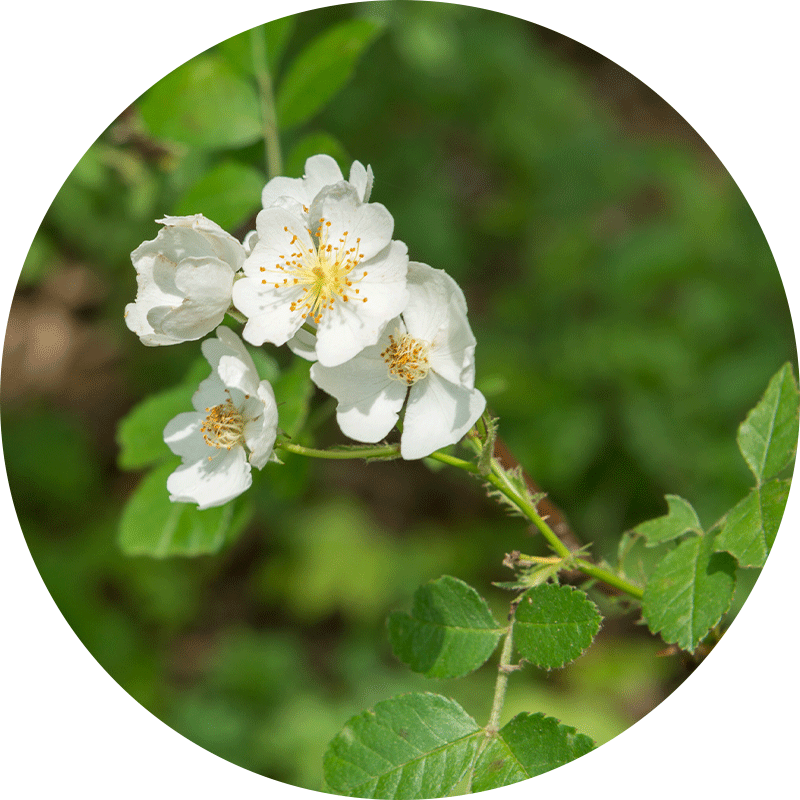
column 503, row 669
column 269, row 118
column 496, row 478
column 369, row 451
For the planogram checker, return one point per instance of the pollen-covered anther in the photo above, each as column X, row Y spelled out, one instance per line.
column 322, row 274
column 224, row 425
column 407, row 358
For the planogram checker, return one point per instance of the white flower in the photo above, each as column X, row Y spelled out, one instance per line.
column 184, row 278
column 428, row 355
column 343, row 273
column 321, row 171
column 232, row 428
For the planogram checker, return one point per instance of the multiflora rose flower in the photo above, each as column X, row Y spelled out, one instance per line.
column 342, row 273
column 428, row 355
column 232, row 428
column 320, row 171
column 185, row 277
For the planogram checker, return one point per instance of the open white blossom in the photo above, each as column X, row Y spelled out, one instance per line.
column 320, row 171
column 343, row 273
column 184, row 277
column 427, row 355
column 232, row 428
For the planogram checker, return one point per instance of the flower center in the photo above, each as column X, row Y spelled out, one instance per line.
column 224, row 425
column 406, row 357
column 321, row 271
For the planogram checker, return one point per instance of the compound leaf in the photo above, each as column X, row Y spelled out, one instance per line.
column 412, row 746
column 527, row 746
column 768, row 437
column 680, row 519
column 553, row 625
column 449, row 633
column 689, row 591
column 750, row 526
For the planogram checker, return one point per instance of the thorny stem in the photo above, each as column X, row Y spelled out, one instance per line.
column 269, row 119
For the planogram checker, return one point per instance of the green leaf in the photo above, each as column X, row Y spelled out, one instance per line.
column 311, row 145
column 680, row 519
column 293, row 390
column 204, row 103
column 140, row 434
column 412, row 746
column 768, row 437
column 278, row 32
column 322, row 69
column 750, row 527
column 449, row 633
column 688, row 592
column 153, row 526
column 229, row 194
column 553, row 625
column 529, row 745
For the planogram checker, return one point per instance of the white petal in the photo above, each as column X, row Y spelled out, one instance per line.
column 184, row 437
column 340, row 205
column 369, row 400
column 437, row 313
column 303, row 344
column 261, row 430
column 321, row 171
column 362, row 180
column 206, row 284
column 269, row 316
column 231, row 361
column 211, row 483
column 136, row 320
column 283, row 187
column 349, row 327
column 438, row 414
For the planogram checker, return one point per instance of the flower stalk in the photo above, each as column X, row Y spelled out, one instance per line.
column 269, row 117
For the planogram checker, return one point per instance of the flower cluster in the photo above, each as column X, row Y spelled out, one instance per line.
column 322, row 274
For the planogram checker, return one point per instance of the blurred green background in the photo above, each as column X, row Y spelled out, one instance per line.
column 628, row 313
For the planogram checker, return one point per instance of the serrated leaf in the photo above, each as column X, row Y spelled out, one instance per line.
column 151, row 525
column 553, row 625
column 750, row 527
column 140, row 434
column 449, row 633
column 680, row 519
column 203, row 103
column 412, row 746
column 529, row 745
column 228, row 193
column 768, row 437
column 688, row 592
column 293, row 389
column 322, row 69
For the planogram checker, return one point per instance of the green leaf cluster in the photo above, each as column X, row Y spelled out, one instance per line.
column 691, row 587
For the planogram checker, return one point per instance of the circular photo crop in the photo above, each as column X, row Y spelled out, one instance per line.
column 399, row 400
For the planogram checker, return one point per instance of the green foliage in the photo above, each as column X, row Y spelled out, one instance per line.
column 321, row 70
column 768, row 437
column 412, row 746
column 529, row 745
column 229, row 193
column 152, row 526
column 293, row 390
column 682, row 518
column 449, row 633
column 309, row 146
column 689, row 591
column 184, row 106
column 750, row 527
column 554, row 625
